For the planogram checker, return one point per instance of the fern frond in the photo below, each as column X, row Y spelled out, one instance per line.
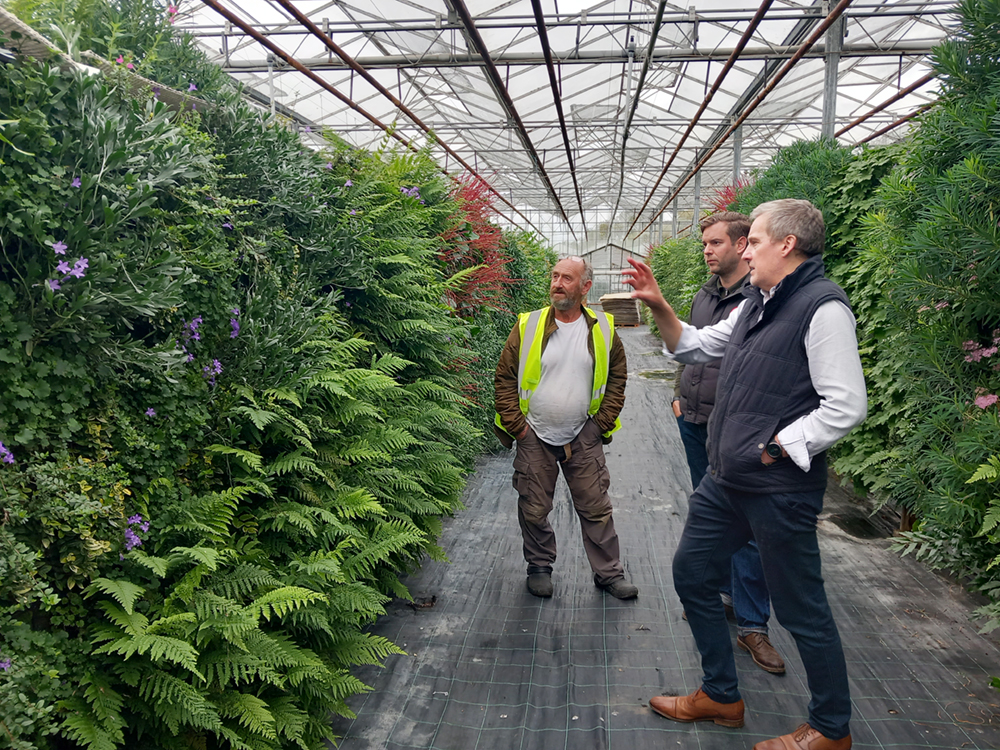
column 249, row 459
column 280, row 602
column 250, row 711
column 177, row 702
column 124, row 592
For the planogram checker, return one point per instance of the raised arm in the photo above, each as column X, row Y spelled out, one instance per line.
column 640, row 278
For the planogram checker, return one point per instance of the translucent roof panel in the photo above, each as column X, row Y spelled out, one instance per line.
column 584, row 126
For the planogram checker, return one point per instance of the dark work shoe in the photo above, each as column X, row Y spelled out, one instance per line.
column 764, row 654
column 540, row 584
column 619, row 588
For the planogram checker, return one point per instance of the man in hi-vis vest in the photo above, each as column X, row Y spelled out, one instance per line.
column 560, row 385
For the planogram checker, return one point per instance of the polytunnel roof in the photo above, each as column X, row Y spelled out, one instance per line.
column 565, row 107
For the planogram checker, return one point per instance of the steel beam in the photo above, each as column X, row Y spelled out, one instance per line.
column 496, row 81
column 831, row 75
column 249, row 30
column 733, row 57
column 585, row 57
column 891, row 100
column 543, row 36
column 820, row 30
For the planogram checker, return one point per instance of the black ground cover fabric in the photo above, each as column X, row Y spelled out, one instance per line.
column 489, row 666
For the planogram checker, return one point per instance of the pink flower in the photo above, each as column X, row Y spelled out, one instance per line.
column 969, row 345
column 988, row 400
column 941, row 305
column 172, row 10
column 130, row 66
column 119, row 59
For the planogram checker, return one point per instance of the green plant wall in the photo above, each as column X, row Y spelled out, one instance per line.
column 238, row 412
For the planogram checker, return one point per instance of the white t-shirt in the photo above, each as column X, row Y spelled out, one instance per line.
column 558, row 407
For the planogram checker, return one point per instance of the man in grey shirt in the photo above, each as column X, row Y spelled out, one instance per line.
column 791, row 385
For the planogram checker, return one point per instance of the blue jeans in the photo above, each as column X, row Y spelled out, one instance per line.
column 720, row 521
column 744, row 586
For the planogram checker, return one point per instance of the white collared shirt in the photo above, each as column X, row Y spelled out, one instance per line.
column 834, row 368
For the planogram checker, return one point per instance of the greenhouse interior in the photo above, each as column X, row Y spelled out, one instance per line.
column 277, row 284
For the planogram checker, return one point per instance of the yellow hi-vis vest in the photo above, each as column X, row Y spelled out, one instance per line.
column 529, row 366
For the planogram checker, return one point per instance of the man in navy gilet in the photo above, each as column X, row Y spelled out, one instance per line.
column 790, row 386
column 724, row 238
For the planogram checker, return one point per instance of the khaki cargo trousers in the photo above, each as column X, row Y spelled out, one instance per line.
column 536, row 468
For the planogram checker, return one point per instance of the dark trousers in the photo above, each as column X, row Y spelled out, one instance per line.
column 720, row 521
column 536, row 468
column 745, row 583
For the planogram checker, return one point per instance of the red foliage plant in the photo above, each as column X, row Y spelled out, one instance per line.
column 728, row 195
column 473, row 241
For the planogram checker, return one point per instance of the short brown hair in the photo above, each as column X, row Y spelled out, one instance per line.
column 791, row 216
column 737, row 225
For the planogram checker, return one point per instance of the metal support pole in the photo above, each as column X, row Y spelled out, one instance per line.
column 270, row 79
column 673, row 229
column 834, row 44
column 697, row 202
column 737, row 154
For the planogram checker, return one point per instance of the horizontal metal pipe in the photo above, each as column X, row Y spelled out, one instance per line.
column 583, row 57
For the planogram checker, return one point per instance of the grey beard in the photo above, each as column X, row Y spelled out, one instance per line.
column 564, row 304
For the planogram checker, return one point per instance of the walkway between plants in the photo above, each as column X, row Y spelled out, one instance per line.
column 488, row 666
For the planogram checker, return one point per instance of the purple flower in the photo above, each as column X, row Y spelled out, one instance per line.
column 132, row 540
column 54, row 284
column 191, row 331
column 352, row 212
column 76, row 182
column 156, row 92
column 190, row 358
column 150, row 412
column 144, row 526
column 5, row 455
column 137, row 518
column 59, row 248
column 349, row 183
column 5, row 664
column 235, row 311
column 308, row 129
column 348, row 304
column 227, row 225
column 63, row 267
column 192, row 87
column 79, row 268
column 329, row 165
column 236, row 328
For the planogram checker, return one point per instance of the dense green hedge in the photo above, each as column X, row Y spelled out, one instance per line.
column 237, row 410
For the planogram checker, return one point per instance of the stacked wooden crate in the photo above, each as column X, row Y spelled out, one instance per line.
column 623, row 307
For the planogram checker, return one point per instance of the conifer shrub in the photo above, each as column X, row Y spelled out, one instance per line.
column 934, row 244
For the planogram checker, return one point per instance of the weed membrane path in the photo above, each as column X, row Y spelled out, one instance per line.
column 490, row 667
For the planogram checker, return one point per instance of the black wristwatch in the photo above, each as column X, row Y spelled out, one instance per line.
column 773, row 449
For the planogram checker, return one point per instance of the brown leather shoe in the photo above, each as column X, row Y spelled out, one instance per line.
column 804, row 738
column 698, row 707
column 764, row 654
